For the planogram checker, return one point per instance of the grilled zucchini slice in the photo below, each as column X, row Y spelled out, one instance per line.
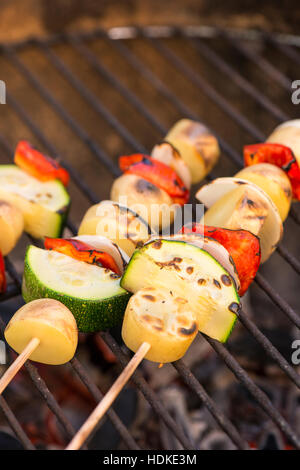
column 189, row 272
column 44, row 205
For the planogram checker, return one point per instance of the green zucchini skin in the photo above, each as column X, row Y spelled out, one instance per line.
column 90, row 315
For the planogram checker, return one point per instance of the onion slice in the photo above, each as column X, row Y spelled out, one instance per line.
column 104, row 244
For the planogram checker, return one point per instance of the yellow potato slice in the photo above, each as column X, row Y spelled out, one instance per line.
column 153, row 204
column 236, row 203
column 197, row 146
column 49, row 321
column 273, row 181
column 163, row 320
column 11, row 227
column 116, row 222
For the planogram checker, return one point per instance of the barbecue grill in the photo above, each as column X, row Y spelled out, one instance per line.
column 100, row 94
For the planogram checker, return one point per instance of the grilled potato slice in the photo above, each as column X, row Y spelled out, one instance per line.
column 235, row 203
column 273, row 181
column 197, row 146
column 153, row 204
column 163, row 320
column 118, row 223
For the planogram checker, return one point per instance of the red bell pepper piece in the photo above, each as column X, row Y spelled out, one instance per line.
column 2, row 275
column 157, row 173
column 82, row 252
column 37, row 164
column 243, row 247
column 278, row 155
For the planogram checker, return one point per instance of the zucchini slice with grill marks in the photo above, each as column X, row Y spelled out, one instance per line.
column 44, row 205
column 189, row 272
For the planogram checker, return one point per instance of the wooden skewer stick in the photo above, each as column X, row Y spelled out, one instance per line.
column 108, row 399
column 18, row 363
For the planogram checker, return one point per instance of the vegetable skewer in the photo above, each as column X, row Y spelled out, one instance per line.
column 259, row 193
column 43, row 330
column 160, row 323
column 33, row 197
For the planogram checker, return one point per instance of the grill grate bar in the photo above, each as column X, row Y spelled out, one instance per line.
column 219, row 63
column 255, row 391
column 203, row 84
column 194, row 384
column 277, row 299
column 220, row 418
column 263, row 63
column 61, row 111
column 95, row 392
column 14, row 424
column 269, row 348
column 159, row 86
column 285, row 49
column 50, row 147
column 94, row 102
column 92, row 59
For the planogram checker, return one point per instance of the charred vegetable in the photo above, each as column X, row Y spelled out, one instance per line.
column 213, row 247
column 118, row 223
column 157, row 173
column 191, row 273
column 242, row 246
column 152, row 203
column 169, row 155
column 38, row 165
column 44, row 205
column 99, row 243
column 82, row 252
column 278, row 155
column 198, row 147
column 162, row 319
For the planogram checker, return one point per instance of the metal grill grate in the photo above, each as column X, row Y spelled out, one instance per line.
column 129, row 94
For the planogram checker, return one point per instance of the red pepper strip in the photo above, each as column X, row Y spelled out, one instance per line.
column 157, row 173
column 40, row 166
column 243, row 247
column 2, row 275
column 82, row 252
column 278, row 155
